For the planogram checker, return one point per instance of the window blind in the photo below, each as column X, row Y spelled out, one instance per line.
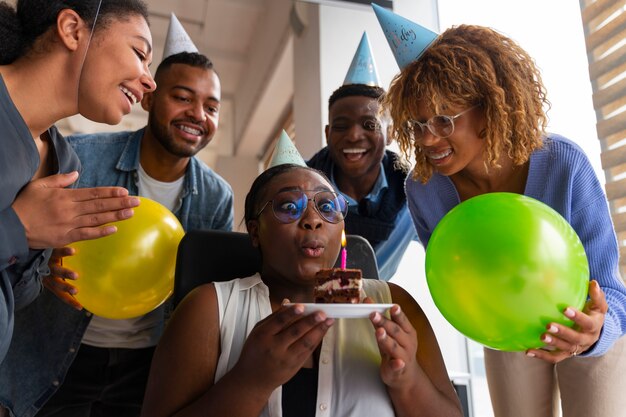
column 604, row 23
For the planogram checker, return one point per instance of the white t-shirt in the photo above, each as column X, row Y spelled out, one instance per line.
column 143, row 331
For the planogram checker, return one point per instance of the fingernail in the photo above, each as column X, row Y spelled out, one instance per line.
column 135, row 202
column 570, row 313
column 121, row 192
column 397, row 310
column 383, row 334
column 73, row 291
column 109, row 230
column 530, row 354
column 285, row 301
column 547, row 339
column 298, row 309
column 376, row 317
column 319, row 317
column 128, row 213
column 553, row 329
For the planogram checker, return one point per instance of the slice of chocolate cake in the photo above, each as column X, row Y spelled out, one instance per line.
column 338, row 285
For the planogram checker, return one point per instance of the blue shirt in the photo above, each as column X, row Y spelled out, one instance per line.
column 389, row 252
column 560, row 176
column 48, row 332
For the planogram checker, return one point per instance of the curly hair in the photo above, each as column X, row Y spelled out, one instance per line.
column 473, row 66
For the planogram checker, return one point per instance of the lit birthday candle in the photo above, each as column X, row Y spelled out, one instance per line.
column 344, row 252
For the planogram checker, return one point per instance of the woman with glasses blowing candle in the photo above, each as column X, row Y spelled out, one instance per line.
column 470, row 110
column 235, row 349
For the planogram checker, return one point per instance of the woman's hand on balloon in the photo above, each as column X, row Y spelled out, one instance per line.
column 56, row 281
column 397, row 343
column 279, row 345
column 573, row 341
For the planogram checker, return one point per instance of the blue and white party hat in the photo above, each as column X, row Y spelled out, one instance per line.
column 407, row 39
column 285, row 152
column 363, row 67
column 177, row 39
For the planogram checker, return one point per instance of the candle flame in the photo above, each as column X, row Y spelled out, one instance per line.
column 343, row 239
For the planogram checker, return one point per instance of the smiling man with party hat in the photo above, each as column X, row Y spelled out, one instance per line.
column 80, row 364
column 357, row 163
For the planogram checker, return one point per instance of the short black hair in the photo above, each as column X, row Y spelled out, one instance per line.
column 259, row 184
column 22, row 26
column 350, row 90
column 193, row 59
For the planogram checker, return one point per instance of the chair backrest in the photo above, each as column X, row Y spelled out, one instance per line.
column 214, row 255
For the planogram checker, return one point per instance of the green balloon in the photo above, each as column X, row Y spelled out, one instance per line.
column 501, row 266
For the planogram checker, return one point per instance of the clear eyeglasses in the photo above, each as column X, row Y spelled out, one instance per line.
column 439, row 125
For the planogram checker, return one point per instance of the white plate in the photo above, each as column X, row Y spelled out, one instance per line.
column 345, row 311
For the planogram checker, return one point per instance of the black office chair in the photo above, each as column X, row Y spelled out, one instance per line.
column 214, row 255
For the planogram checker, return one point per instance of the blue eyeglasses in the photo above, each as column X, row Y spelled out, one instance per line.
column 289, row 206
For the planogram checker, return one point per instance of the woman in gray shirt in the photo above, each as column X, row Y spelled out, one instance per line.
column 58, row 59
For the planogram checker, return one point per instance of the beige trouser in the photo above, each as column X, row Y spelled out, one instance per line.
column 528, row 387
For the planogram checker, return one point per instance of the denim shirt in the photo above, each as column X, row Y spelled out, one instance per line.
column 48, row 332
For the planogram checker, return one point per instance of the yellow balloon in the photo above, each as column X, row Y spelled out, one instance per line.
column 130, row 272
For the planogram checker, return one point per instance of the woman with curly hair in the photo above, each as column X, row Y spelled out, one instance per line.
column 470, row 110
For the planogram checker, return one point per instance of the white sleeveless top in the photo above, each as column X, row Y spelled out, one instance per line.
column 349, row 383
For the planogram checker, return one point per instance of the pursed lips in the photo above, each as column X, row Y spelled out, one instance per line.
column 313, row 248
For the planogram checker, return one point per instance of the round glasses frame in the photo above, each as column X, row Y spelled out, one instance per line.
column 287, row 217
column 439, row 125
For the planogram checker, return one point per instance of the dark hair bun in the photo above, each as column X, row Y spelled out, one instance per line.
column 11, row 34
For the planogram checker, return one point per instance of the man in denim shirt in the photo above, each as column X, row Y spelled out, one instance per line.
column 78, row 364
